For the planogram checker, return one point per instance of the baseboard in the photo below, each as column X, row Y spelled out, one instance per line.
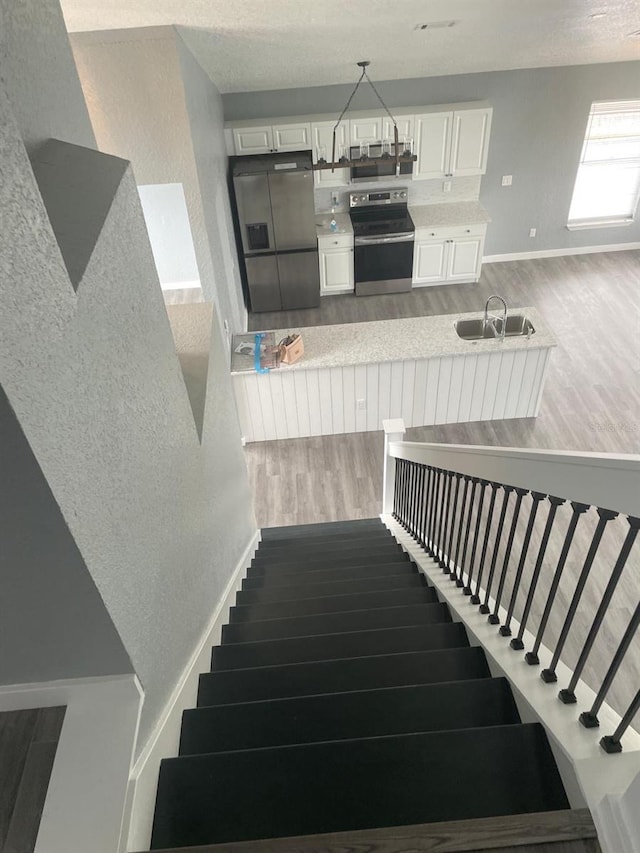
column 86, row 794
column 165, row 738
column 557, row 253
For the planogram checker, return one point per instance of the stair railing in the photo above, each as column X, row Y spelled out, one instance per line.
column 438, row 493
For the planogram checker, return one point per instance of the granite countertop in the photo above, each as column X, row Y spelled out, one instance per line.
column 396, row 340
column 343, row 221
column 448, row 214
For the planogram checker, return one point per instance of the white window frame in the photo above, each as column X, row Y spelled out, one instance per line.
column 598, row 108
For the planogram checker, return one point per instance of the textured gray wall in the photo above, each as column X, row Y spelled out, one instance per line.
column 40, row 78
column 53, row 623
column 160, row 520
column 539, row 120
column 204, row 107
column 133, row 84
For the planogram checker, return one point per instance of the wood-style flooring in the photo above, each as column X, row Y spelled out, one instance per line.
column 28, row 743
column 591, row 402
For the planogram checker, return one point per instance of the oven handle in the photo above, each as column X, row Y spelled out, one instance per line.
column 372, row 241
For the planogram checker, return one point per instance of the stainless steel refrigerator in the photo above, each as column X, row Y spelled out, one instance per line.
column 277, row 229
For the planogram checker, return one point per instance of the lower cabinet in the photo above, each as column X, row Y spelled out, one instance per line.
column 444, row 255
column 335, row 253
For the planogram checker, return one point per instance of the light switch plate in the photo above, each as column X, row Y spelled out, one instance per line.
column 507, row 180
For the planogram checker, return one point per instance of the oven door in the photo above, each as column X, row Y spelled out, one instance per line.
column 383, row 264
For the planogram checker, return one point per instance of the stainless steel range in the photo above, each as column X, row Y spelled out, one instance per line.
column 383, row 241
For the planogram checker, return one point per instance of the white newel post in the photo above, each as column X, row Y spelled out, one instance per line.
column 394, row 430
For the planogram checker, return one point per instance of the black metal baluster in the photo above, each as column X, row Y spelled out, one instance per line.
column 611, row 743
column 419, row 503
column 475, row 598
column 474, row 484
column 483, row 486
column 434, row 524
column 443, row 556
column 433, row 512
column 517, row 643
column 442, row 529
column 484, row 607
column 454, row 510
column 505, row 630
column 427, row 499
column 396, row 488
column 424, row 507
column 456, row 564
column 427, row 515
column 402, row 466
column 415, row 514
column 578, row 509
column 605, row 515
column 568, row 694
column 589, row 719
column 493, row 618
column 415, row 476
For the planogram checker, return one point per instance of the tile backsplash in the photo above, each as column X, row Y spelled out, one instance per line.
column 420, row 192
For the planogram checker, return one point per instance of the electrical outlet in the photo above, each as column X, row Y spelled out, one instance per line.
column 507, row 180
column 532, row 232
column 335, row 200
column 446, row 187
column 361, row 404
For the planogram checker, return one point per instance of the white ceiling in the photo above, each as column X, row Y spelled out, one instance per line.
column 248, row 45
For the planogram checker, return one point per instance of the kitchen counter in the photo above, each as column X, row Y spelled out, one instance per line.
column 449, row 214
column 397, row 340
column 343, row 221
column 353, row 376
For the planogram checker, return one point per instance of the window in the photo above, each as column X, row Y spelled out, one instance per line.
column 608, row 182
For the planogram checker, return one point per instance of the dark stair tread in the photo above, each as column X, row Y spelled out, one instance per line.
column 312, row 561
column 337, row 676
column 338, row 716
column 331, row 604
column 324, row 528
column 331, row 623
column 355, row 784
column 258, row 578
column 380, row 641
column 327, row 546
column 322, row 589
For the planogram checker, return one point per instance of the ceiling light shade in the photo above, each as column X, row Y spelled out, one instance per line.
column 347, row 161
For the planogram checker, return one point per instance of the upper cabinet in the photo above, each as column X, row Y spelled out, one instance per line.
column 452, row 144
column 322, row 137
column 264, row 139
column 376, row 128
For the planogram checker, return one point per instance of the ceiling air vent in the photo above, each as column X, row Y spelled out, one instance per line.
column 435, row 25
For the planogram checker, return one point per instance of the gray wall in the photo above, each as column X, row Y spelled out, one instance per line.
column 142, row 110
column 160, row 519
column 539, row 121
column 204, row 108
column 53, row 623
column 40, row 78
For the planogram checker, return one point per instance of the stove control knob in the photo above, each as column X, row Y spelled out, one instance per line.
column 403, row 194
column 396, row 195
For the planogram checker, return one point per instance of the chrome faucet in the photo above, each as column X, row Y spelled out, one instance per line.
column 492, row 317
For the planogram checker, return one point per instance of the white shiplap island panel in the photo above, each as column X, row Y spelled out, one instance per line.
column 354, row 376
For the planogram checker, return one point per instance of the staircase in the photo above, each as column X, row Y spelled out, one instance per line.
column 344, row 698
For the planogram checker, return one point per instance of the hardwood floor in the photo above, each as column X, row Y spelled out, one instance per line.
column 28, row 743
column 591, row 402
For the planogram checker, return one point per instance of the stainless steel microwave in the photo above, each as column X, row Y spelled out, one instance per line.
column 366, row 170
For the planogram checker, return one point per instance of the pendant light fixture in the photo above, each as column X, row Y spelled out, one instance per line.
column 344, row 161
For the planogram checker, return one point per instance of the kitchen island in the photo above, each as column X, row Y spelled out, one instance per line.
column 353, row 376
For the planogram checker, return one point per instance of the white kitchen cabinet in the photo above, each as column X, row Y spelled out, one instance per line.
column 452, row 144
column 322, row 136
column 335, row 256
column 446, row 255
column 263, row 139
column 375, row 128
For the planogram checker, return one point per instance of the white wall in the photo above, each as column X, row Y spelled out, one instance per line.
column 159, row 518
column 141, row 109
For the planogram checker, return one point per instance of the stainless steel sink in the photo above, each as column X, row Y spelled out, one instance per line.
column 517, row 324
column 475, row 329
